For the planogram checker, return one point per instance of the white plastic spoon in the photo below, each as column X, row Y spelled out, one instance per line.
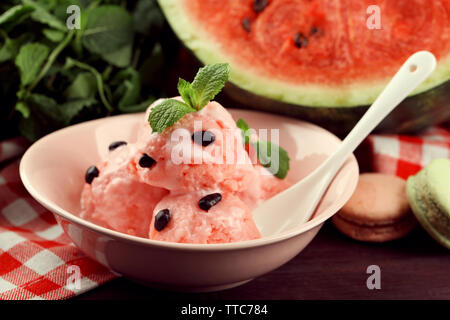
column 295, row 205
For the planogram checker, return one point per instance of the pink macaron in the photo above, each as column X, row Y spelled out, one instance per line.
column 378, row 210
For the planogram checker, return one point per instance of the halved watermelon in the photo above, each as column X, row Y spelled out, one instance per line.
column 318, row 59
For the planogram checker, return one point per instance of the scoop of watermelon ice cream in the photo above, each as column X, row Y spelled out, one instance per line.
column 187, row 166
column 117, row 199
column 168, row 173
column 230, row 220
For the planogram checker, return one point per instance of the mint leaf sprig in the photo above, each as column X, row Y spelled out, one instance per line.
column 265, row 158
column 208, row 82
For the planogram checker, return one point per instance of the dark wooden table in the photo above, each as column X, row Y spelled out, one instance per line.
column 331, row 267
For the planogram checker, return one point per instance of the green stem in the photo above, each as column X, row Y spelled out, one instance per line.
column 136, row 58
column 94, row 4
column 107, row 72
column 99, row 79
column 77, row 44
column 51, row 59
column 108, row 92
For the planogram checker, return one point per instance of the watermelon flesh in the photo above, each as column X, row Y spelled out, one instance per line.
column 339, row 50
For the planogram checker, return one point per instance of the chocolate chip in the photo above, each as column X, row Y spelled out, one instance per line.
column 209, row 201
column 91, row 173
column 146, row 161
column 116, row 144
column 300, row 40
column 162, row 218
column 204, row 138
column 246, row 24
column 259, row 5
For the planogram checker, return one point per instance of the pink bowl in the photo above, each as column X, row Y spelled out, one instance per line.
column 53, row 169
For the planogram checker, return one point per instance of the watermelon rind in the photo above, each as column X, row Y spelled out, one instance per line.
column 414, row 114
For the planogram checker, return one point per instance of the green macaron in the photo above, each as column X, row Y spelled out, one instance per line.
column 428, row 194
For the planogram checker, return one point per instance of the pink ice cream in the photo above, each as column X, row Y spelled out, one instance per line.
column 117, row 199
column 206, row 167
column 228, row 221
column 153, row 187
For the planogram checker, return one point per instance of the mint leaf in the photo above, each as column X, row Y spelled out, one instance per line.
column 128, row 89
column 42, row 15
column 11, row 47
column 279, row 160
column 120, row 58
column 108, row 31
column 59, row 115
column 14, row 16
column 32, row 128
column 209, row 81
column 30, row 60
column 269, row 160
column 23, row 109
column 53, row 35
column 83, row 86
column 187, row 92
column 70, row 109
column 241, row 124
column 70, row 63
column 245, row 128
column 167, row 113
column 43, row 104
column 59, row 7
column 47, row 115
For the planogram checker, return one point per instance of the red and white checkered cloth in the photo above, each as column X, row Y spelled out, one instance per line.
column 36, row 256
column 403, row 156
column 37, row 260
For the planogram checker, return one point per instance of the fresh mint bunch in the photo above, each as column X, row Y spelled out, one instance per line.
column 52, row 76
column 264, row 151
column 208, row 82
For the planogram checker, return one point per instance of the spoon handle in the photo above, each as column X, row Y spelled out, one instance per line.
column 413, row 72
column 311, row 189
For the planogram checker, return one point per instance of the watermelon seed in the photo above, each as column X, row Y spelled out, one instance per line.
column 146, row 161
column 209, row 201
column 116, row 144
column 313, row 30
column 300, row 40
column 91, row 173
column 162, row 218
column 203, row 138
column 246, row 24
column 259, row 5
